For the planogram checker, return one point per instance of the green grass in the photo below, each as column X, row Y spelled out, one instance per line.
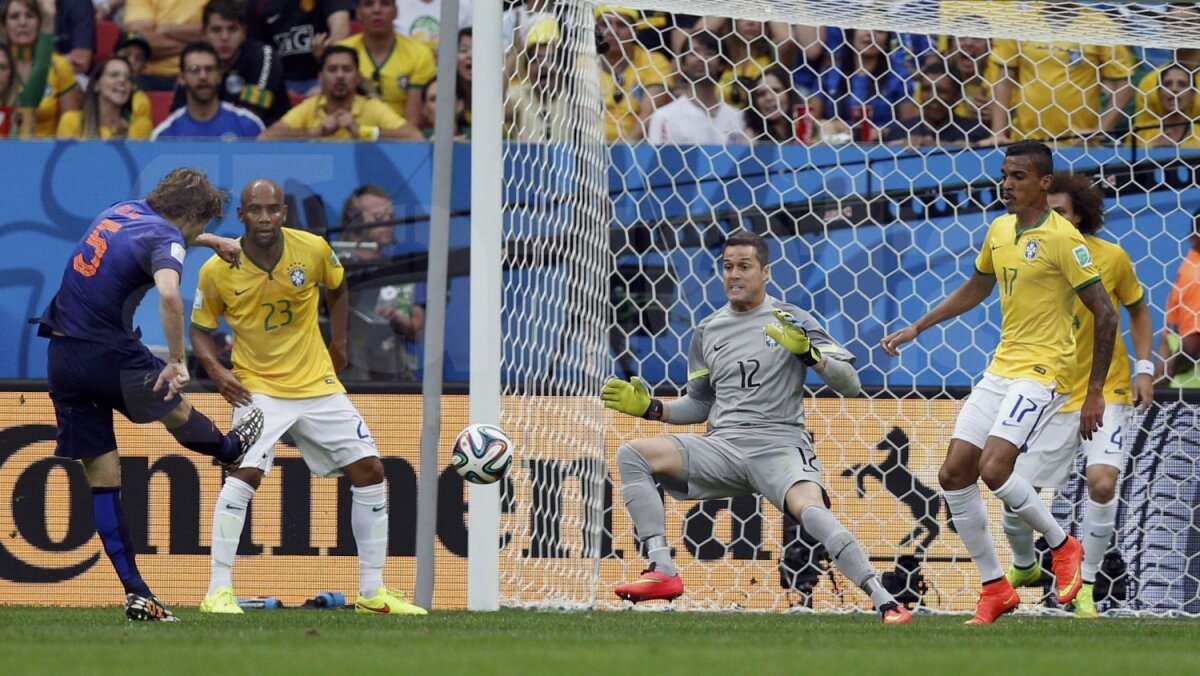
column 291, row 642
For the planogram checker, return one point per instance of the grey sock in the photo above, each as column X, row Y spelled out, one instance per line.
column 645, row 507
column 847, row 553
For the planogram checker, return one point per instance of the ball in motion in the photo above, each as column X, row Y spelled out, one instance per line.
column 482, row 453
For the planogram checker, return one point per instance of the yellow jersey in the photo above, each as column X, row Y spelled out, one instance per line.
column 277, row 345
column 1059, row 84
column 1149, row 116
column 164, row 13
column 1039, row 270
column 409, row 64
column 59, row 81
column 366, row 112
column 1122, row 285
column 624, row 90
column 70, row 125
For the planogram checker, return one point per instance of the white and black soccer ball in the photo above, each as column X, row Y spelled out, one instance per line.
column 482, row 453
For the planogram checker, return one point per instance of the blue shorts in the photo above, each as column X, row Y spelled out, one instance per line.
column 88, row 381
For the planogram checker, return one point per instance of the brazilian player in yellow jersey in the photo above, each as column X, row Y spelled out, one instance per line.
column 1042, row 263
column 281, row 365
column 1051, row 457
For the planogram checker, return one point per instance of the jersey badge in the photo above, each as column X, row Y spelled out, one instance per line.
column 297, row 274
column 1031, row 249
column 402, row 83
column 1083, row 256
column 178, row 252
column 333, row 260
column 234, row 83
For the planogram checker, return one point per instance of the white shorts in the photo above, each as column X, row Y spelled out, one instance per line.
column 1050, row 459
column 1014, row 409
column 328, row 430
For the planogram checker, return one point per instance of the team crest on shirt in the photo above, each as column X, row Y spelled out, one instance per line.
column 402, row 83
column 1083, row 256
column 297, row 274
column 234, row 83
column 1031, row 249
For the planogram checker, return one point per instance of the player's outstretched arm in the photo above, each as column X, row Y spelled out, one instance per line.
column 227, row 248
column 170, row 311
column 971, row 293
column 1143, row 339
column 1096, row 299
column 338, row 301
column 228, row 384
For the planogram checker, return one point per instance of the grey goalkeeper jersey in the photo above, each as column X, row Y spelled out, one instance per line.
column 747, row 379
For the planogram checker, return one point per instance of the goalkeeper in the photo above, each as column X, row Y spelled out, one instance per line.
column 746, row 369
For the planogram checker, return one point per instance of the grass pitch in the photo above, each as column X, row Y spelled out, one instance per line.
column 291, row 642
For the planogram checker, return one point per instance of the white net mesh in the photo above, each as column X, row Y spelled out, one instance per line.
column 858, row 139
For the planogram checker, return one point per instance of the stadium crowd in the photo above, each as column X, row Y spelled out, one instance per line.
column 663, row 78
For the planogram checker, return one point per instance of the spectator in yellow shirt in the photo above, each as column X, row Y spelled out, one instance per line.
column 107, row 111
column 1167, row 114
column 339, row 113
column 23, row 21
column 395, row 67
column 169, row 26
column 1057, row 86
column 633, row 81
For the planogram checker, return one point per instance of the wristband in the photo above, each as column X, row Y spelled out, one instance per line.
column 1143, row 367
column 655, row 411
column 811, row 357
column 368, row 133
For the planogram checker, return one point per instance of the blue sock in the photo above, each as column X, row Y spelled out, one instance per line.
column 199, row 434
column 109, row 516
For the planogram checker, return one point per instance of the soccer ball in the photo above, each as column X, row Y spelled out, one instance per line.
column 482, row 453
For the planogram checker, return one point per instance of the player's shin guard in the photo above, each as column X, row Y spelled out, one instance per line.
column 645, row 507
column 1020, row 539
column 198, row 433
column 369, row 520
column 113, row 529
column 848, row 555
column 229, row 517
column 971, row 522
column 1023, row 500
column 1098, row 524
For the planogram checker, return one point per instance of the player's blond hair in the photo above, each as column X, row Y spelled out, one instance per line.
column 186, row 195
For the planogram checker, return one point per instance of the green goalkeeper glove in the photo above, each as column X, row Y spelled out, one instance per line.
column 632, row 398
column 792, row 336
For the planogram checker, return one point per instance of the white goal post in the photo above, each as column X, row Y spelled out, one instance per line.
column 594, row 251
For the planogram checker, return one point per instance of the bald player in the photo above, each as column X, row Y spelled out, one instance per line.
column 747, row 364
column 281, row 365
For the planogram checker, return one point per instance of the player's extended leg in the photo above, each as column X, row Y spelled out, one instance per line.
column 197, row 432
column 229, row 518
column 369, row 521
column 959, row 478
column 103, row 474
column 1025, row 570
column 806, row 503
column 996, row 469
column 1099, row 522
column 638, row 463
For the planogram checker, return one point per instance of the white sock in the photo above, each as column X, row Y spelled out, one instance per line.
column 1020, row 497
column 971, row 522
column 229, row 516
column 369, row 520
column 1098, row 525
column 1020, row 539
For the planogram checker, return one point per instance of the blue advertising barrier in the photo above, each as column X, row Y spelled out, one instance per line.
column 862, row 280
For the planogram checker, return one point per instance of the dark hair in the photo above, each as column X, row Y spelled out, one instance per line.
column 186, row 195
column 352, row 218
column 704, row 39
column 89, row 111
column 747, row 238
column 339, row 49
column 1037, row 152
column 935, row 69
column 230, row 10
column 758, row 125
column 1086, row 199
column 196, row 48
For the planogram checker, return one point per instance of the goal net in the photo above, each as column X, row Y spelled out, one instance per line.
column 859, row 138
